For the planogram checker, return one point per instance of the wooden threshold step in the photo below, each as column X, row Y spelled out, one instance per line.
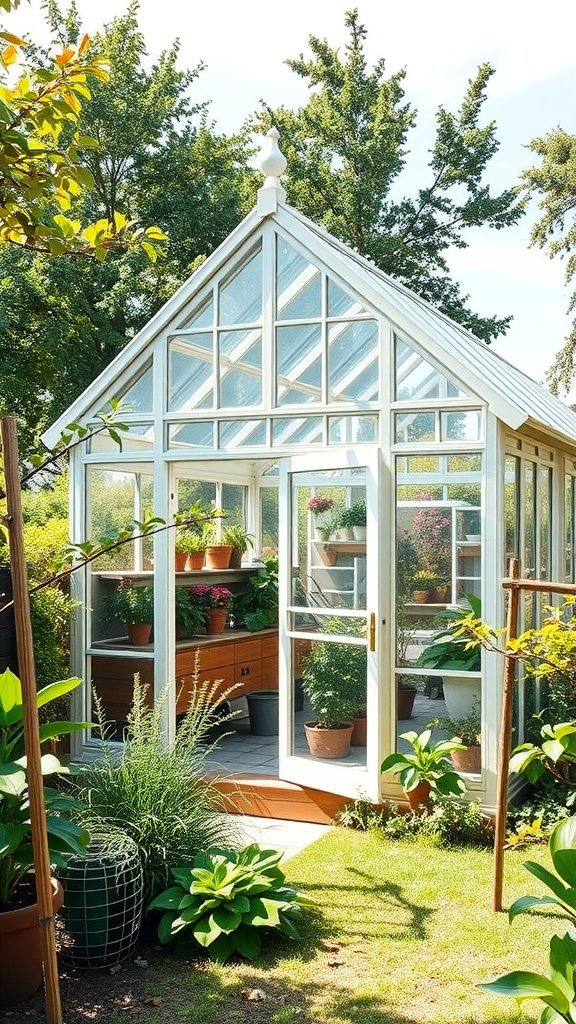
column 267, row 796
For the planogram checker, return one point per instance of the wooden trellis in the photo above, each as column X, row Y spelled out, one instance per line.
column 515, row 585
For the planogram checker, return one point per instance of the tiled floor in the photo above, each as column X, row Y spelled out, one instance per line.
column 241, row 751
column 278, row 834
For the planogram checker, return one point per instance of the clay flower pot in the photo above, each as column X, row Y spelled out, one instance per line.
column 195, row 562
column 218, row 556
column 420, row 596
column 329, row 743
column 20, row 950
column 359, row 731
column 180, row 558
column 469, row 760
column 215, row 619
column 405, row 698
column 419, row 797
column 139, row 633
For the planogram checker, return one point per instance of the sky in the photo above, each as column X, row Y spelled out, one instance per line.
column 244, row 47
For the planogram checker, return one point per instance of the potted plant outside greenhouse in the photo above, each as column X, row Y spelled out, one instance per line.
column 20, row 948
column 428, row 769
column 334, row 679
column 450, row 652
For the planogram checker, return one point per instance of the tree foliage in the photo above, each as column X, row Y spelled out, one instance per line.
column 553, row 181
column 347, row 148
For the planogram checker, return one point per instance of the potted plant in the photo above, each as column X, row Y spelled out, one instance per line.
column 214, row 603
column 466, row 730
column 452, row 652
column 357, row 517
column 19, row 911
column 240, row 541
column 180, row 551
column 189, row 615
column 190, row 549
column 427, row 770
column 405, row 689
column 134, row 606
column 318, row 507
column 441, row 590
column 334, row 679
column 218, row 551
column 345, row 524
column 257, row 608
column 423, row 583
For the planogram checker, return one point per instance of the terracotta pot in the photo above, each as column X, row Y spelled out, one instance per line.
column 359, row 731
column 469, row 760
column 405, row 697
column 235, row 559
column 139, row 633
column 20, row 951
column 420, row 596
column 420, row 796
column 218, row 556
column 216, row 619
column 180, row 558
column 195, row 562
column 328, row 554
column 329, row 743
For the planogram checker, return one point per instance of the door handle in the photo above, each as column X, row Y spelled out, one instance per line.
column 372, row 631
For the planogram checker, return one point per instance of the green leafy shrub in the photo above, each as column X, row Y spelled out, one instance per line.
column 429, row 762
column 157, row 793
column 225, row 900
column 562, row 885
column 556, row 754
column 334, row 675
column 558, row 991
column 547, row 801
column 50, row 612
column 449, row 823
column 42, row 544
column 132, row 604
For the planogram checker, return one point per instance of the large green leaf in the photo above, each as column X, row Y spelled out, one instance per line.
column 263, row 913
column 556, row 885
column 223, row 947
column 206, row 931
column 73, row 838
column 562, row 848
column 12, row 779
column 248, row 942
column 51, row 729
column 169, row 900
column 527, row 985
column 165, row 933
column 10, row 695
column 226, row 920
column 55, row 690
column 525, row 903
column 10, row 838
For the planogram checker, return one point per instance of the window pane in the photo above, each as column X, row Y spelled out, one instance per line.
column 191, row 491
column 544, row 523
column 569, row 512
column 199, row 434
column 298, row 285
column 190, row 372
column 302, row 430
column 511, row 507
column 241, row 296
column 353, row 361
column 416, row 378
column 139, row 395
column 299, row 356
column 234, row 503
column 341, row 303
column 240, row 368
column 242, row 433
column 352, row 429
column 203, row 317
column 414, row 426
column 138, row 438
column 269, row 520
column 461, row 426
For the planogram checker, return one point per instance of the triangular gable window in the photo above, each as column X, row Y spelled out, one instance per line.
column 138, row 397
column 418, row 380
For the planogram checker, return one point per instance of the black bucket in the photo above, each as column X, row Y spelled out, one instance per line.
column 263, row 711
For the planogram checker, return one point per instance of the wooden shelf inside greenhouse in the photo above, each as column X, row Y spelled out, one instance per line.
column 229, row 575
column 352, row 547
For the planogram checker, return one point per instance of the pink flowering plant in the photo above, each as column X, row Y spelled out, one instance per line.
column 211, row 597
column 317, row 505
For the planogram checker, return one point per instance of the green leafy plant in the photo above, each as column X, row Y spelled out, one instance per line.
column 132, row 604
column 238, row 538
column 429, row 762
column 334, row 676
column 258, row 607
column 465, row 730
column 225, row 900
column 557, row 991
column 190, row 542
column 451, row 648
column 556, row 755
column 345, row 518
column 424, row 579
column 448, row 823
column 357, row 514
column 562, row 847
column 64, row 836
column 156, row 792
column 189, row 614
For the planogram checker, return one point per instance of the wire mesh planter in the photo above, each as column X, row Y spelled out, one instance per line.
column 103, row 899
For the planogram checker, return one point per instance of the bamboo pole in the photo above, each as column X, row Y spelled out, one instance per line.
column 505, row 737
column 31, row 727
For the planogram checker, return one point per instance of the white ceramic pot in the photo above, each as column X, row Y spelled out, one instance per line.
column 344, row 533
column 359, row 532
column 460, row 695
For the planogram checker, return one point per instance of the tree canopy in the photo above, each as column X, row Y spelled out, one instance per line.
column 553, row 182
column 346, row 150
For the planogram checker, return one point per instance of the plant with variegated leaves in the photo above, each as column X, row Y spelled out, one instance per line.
column 226, row 901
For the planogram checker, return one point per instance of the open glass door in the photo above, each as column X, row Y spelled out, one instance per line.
column 330, row 621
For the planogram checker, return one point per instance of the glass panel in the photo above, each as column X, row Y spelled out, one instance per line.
column 241, row 296
column 240, row 368
column 529, row 570
column 203, row 317
column 234, row 504
column 113, row 505
column 191, row 491
column 341, row 303
column 113, row 681
column 414, row 426
column 353, row 361
column 544, row 520
column 511, row 507
column 242, row 433
column 299, row 365
column 302, row 430
column 569, row 515
column 461, row 426
column 298, row 287
column 198, row 434
column 352, row 429
column 138, row 397
column 269, row 520
column 190, row 372
column 138, row 438
column 416, row 378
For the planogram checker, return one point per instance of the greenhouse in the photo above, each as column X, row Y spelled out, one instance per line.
column 386, row 460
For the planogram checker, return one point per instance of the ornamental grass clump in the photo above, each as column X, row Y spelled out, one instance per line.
column 155, row 792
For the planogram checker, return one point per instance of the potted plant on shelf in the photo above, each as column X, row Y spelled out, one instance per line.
column 423, row 582
column 427, row 770
column 218, row 551
column 466, row 730
column 357, row 517
column 441, row 590
column 134, row 607
column 190, row 550
column 214, row 603
column 19, row 911
column 450, row 652
column 240, row 541
column 318, row 507
column 189, row 615
column 345, row 524
column 257, row 607
column 334, row 679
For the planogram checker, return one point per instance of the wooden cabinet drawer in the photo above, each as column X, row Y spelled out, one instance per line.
column 247, row 650
column 270, row 646
column 185, row 686
column 249, row 677
column 270, row 673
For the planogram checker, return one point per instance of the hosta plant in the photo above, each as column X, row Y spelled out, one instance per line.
column 227, row 900
column 429, row 762
column 557, row 991
column 562, row 885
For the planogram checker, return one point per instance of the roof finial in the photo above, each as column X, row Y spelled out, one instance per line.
column 273, row 163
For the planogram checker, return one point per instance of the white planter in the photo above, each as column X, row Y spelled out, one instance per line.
column 345, row 534
column 359, row 532
column 321, row 534
column 461, row 694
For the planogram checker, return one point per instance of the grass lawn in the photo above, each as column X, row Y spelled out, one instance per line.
column 402, row 933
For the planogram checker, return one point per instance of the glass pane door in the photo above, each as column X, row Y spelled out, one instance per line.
column 329, row 622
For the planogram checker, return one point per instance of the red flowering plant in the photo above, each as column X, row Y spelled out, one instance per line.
column 317, row 505
column 431, row 540
column 211, row 597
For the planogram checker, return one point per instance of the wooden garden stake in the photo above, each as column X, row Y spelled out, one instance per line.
column 505, row 736
column 31, row 728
